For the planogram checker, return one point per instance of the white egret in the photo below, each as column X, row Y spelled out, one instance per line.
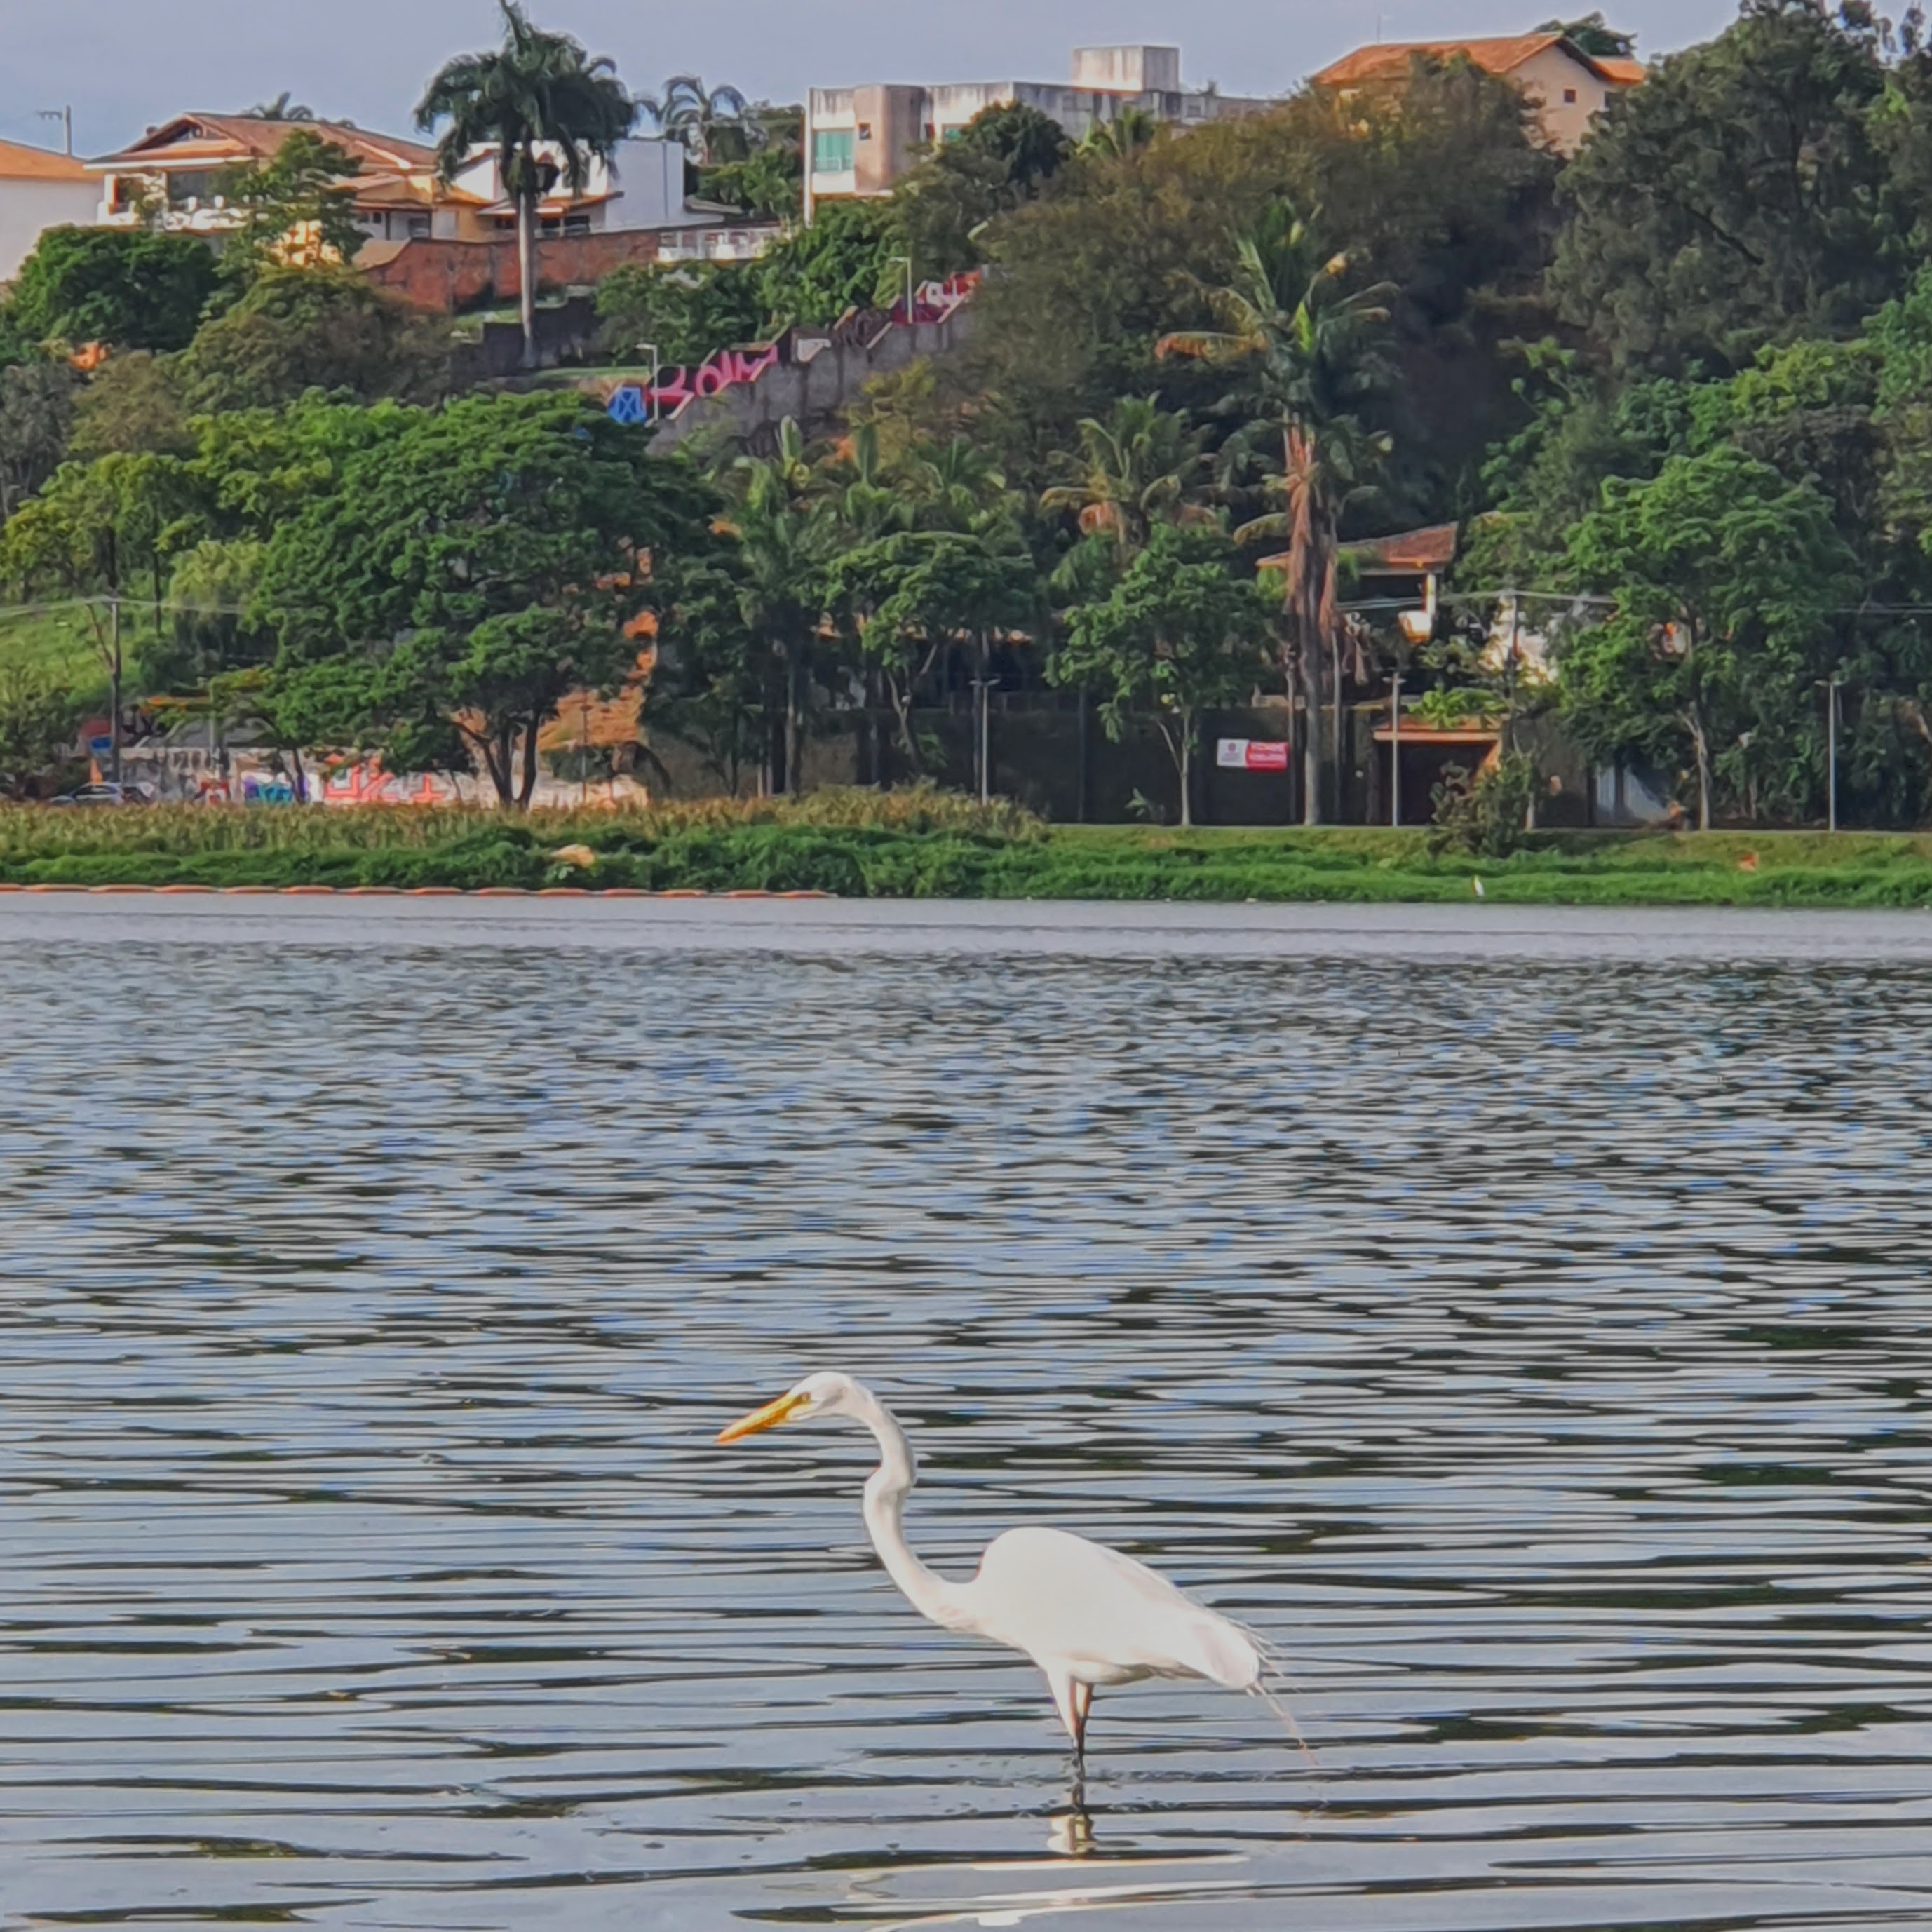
column 1086, row 1615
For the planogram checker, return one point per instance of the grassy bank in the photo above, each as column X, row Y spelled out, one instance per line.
column 912, row 845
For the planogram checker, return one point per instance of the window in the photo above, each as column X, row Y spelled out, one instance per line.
column 865, row 130
column 1569, row 97
column 831, row 151
column 577, row 224
column 951, row 133
column 418, row 228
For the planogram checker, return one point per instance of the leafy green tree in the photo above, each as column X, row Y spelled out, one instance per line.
column 133, row 403
column 37, row 716
column 295, row 209
column 324, row 327
column 1179, row 634
column 1592, row 35
column 911, row 594
column 1000, row 158
column 94, row 532
column 785, row 533
column 547, row 109
column 1740, row 196
column 1141, row 466
column 767, row 185
column 713, row 686
column 131, row 288
column 685, row 311
column 1723, row 576
column 1303, row 347
column 844, row 260
column 36, row 418
column 487, row 557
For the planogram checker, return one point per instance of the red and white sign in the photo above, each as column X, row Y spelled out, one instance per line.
column 1251, row 754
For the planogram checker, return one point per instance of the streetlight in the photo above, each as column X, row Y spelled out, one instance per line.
column 1831, row 685
column 911, row 312
column 65, row 116
column 1395, row 750
column 650, row 349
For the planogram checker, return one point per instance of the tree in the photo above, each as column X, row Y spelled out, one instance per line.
column 1740, row 196
column 132, row 403
column 547, row 108
column 1442, row 190
column 36, row 417
column 1723, row 576
column 768, row 185
column 1304, row 348
column 784, row 534
column 37, row 716
column 1131, row 129
column 322, row 327
column 131, row 288
column 284, row 107
column 702, row 119
column 1179, row 634
column 297, row 208
column 685, row 311
column 999, row 159
column 909, row 594
column 1143, row 465
column 1592, row 35
column 94, row 531
column 486, row 559
column 845, row 260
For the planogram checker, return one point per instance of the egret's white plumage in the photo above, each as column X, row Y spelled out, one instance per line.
column 1085, row 1614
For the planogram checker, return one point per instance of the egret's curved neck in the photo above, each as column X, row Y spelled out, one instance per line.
column 885, row 1488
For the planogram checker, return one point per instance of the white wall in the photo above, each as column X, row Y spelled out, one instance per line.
column 27, row 207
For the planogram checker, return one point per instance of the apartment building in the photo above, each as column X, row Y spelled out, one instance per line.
column 859, row 140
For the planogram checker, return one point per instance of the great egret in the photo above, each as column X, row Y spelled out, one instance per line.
column 1085, row 1614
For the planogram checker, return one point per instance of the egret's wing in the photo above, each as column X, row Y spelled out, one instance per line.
column 1064, row 1600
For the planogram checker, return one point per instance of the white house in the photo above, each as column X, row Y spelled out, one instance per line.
column 38, row 191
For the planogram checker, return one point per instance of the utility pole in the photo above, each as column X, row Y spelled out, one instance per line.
column 1832, row 750
column 114, row 689
column 65, row 116
column 1395, row 750
column 912, row 312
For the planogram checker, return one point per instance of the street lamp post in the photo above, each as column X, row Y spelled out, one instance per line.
column 912, row 314
column 1831, row 751
column 650, row 349
column 1395, row 750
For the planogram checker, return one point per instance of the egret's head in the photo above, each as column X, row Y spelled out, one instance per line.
column 817, row 1395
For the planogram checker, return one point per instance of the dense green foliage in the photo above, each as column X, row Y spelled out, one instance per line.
column 131, row 288
column 859, row 847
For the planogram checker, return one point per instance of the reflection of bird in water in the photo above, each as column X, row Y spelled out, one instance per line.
column 1085, row 1614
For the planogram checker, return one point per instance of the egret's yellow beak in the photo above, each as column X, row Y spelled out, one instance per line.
column 769, row 1416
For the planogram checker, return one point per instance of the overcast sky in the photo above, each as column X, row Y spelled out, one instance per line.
column 123, row 64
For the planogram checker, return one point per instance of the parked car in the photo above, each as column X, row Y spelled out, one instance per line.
column 136, row 793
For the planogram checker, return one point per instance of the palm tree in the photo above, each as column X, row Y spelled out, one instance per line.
column 1140, row 467
column 694, row 115
column 284, row 107
column 549, row 111
column 1307, row 350
column 785, row 533
column 1129, row 131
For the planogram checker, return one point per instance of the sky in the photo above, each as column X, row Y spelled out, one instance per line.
column 124, row 65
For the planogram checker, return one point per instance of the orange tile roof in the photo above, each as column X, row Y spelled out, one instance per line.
column 1619, row 67
column 1389, row 60
column 20, row 163
column 245, row 137
column 1432, row 547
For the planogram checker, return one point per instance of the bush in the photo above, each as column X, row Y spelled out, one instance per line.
column 1486, row 815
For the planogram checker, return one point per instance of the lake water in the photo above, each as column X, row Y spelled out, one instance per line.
column 1522, row 1318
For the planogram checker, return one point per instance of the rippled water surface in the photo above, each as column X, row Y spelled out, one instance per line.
column 1526, row 1329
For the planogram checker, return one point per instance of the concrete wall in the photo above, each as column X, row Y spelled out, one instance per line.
column 28, row 208
column 1546, row 79
column 813, row 393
